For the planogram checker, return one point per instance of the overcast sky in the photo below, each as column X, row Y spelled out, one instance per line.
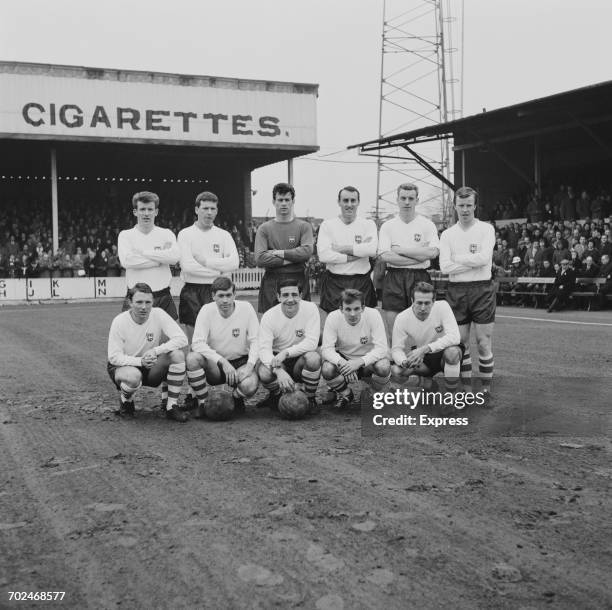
column 514, row 50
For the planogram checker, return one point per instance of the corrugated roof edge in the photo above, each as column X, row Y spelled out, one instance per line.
column 165, row 78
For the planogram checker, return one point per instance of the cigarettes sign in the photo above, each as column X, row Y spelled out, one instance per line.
column 174, row 109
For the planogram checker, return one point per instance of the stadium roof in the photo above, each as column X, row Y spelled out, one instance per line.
column 583, row 108
column 146, row 76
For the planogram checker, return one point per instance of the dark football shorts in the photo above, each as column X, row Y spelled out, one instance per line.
column 363, row 371
column 236, row 363
column 435, row 362
column 332, row 286
column 193, row 297
column 268, row 289
column 398, row 285
column 162, row 299
column 472, row 301
column 111, row 368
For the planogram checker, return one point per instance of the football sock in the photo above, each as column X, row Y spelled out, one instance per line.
column 197, row 383
column 174, row 378
column 338, row 384
column 379, row 382
column 164, row 393
column 127, row 391
column 466, row 367
column 451, row 376
column 311, row 381
column 485, row 366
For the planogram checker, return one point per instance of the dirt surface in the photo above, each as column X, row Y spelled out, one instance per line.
column 261, row 513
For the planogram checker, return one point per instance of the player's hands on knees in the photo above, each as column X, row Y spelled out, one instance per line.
column 285, row 383
column 230, row 372
column 350, row 366
column 414, row 358
column 149, row 358
column 279, row 358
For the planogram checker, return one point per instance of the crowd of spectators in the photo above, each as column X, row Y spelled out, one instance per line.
column 560, row 203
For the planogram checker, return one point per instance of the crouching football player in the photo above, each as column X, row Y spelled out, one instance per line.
column 288, row 339
column 354, row 346
column 224, row 346
column 426, row 340
column 136, row 355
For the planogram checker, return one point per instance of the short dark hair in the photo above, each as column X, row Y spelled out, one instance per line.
column 145, row 197
column 222, row 283
column 408, row 186
column 282, row 188
column 350, row 295
column 206, row 196
column 286, row 282
column 425, row 288
column 139, row 287
column 350, row 189
column 465, row 191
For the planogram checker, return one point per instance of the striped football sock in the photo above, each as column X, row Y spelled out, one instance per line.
column 174, row 378
column 311, row 381
column 197, row 382
column 485, row 366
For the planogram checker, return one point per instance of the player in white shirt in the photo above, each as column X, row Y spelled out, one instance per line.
column 426, row 339
column 137, row 356
column 354, row 346
column 206, row 251
column 406, row 243
column 288, row 339
column 224, row 346
column 466, row 254
column 345, row 244
column 146, row 251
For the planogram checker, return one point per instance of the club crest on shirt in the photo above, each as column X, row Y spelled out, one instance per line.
column 358, row 239
column 363, row 340
column 292, row 239
column 417, row 237
column 299, row 332
column 473, row 248
column 439, row 329
column 150, row 337
column 216, row 248
column 235, row 332
column 157, row 248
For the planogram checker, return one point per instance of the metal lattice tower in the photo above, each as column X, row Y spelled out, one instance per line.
column 420, row 85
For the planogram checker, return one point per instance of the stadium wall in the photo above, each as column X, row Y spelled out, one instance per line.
column 65, row 289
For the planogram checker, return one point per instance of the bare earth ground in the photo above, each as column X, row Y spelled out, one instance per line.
column 262, row 513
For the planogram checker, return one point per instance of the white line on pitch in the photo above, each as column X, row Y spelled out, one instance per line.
column 554, row 321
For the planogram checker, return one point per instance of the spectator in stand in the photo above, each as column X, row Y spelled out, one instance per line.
column 548, row 271
column 65, row 266
column 548, row 214
column 534, row 209
column 560, row 252
column 100, row 263
column 114, row 266
column 575, row 261
column 3, row 265
column 606, row 288
column 530, row 271
column 12, row 247
column 546, row 251
column 78, row 263
column 565, row 283
column 605, row 247
column 581, row 246
column 13, row 267
column 89, row 264
column 533, row 254
column 591, row 251
column 559, row 206
column 589, row 268
column 45, row 265
column 583, row 206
